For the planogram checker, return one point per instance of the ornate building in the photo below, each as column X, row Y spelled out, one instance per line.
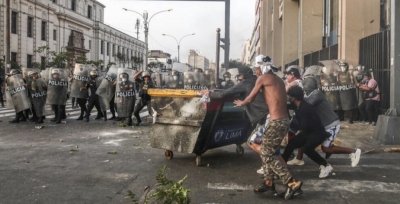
column 76, row 26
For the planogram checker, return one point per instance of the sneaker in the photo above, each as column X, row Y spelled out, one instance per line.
column 355, row 157
column 325, row 170
column 264, row 189
column 292, row 188
column 260, row 171
column 295, row 161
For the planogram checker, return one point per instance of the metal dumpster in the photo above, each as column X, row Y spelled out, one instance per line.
column 186, row 124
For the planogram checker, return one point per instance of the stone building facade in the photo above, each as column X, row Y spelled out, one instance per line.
column 64, row 25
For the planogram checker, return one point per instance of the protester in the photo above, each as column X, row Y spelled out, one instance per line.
column 329, row 120
column 312, row 132
column 275, row 96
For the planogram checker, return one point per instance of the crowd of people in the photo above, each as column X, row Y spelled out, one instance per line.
column 30, row 92
column 295, row 108
column 269, row 102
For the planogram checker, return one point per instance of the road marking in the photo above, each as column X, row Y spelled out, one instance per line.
column 114, row 142
column 330, row 185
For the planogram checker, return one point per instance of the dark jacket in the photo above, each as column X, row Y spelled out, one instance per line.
column 257, row 109
column 322, row 107
column 309, row 121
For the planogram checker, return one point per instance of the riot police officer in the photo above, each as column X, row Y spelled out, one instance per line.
column 59, row 109
column 145, row 98
column 125, row 97
column 37, row 92
column 93, row 98
column 175, row 81
column 227, row 83
column 19, row 116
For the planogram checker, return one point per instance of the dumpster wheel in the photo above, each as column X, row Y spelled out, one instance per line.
column 239, row 150
column 169, row 154
column 198, row 160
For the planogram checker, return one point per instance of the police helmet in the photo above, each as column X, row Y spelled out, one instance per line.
column 146, row 74
column 360, row 68
column 32, row 74
column 55, row 71
column 15, row 71
column 198, row 70
column 344, row 66
column 227, row 75
column 174, row 73
column 123, row 75
column 94, row 73
column 209, row 72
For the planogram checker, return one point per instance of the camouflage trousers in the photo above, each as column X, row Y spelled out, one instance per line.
column 273, row 135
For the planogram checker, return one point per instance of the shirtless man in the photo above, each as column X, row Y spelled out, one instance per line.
column 277, row 128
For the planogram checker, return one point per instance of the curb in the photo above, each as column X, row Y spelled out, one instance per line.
column 382, row 150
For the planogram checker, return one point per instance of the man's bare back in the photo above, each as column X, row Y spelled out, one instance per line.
column 274, row 92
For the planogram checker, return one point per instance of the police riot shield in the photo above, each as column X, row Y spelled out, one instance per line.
column 174, row 81
column 79, row 81
column 209, row 79
column 347, row 87
column 329, row 83
column 156, row 78
column 234, row 72
column 314, row 70
column 9, row 102
column 125, row 93
column 193, row 81
column 106, row 88
column 38, row 95
column 57, row 87
column 44, row 74
column 18, row 92
column 104, row 101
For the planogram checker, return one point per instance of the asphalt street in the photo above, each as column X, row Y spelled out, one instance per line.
column 98, row 162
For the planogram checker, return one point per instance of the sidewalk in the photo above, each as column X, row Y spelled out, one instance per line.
column 360, row 136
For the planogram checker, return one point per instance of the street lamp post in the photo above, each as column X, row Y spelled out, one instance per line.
column 146, row 22
column 179, row 43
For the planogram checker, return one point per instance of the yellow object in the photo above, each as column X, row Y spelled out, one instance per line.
column 175, row 93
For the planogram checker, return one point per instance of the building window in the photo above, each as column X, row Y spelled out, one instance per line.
column 43, row 62
column 54, row 1
column 108, row 49
column 13, row 57
column 30, row 26
column 14, row 16
column 54, row 34
column 73, row 5
column 89, row 12
column 101, row 47
column 29, row 61
column 43, row 30
column 113, row 50
column 90, row 44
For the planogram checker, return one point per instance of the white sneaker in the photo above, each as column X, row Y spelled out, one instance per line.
column 355, row 157
column 295, row 161
column 260, row 171
column 325, row 170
